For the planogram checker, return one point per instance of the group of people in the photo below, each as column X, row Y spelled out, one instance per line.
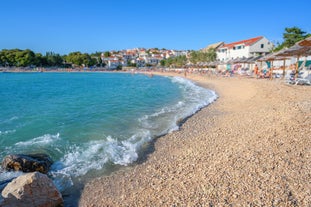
column 262, row 73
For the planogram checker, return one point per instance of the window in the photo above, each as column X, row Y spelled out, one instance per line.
column 262, row 46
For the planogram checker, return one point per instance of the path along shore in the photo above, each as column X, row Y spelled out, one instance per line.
column 252, row 147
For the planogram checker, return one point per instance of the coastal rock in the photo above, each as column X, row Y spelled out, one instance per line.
column 31, row 189
column 27, row 163
column 4, row 183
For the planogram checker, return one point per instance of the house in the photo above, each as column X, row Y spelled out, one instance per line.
column 177, row 53
column 143, row 53
column 113, row 64
column 140, row 62
column 244, row 48
column 169, row 54
column 154, row 59
column 213, row 46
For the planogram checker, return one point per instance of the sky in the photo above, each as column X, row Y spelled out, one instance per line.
column 64, row 26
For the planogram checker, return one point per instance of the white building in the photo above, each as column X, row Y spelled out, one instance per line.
column 244, row 48
column 113, row 64
column 153, row 60
column 140, row 62
column 178, row 52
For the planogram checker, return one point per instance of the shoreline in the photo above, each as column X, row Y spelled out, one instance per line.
column 250, row 147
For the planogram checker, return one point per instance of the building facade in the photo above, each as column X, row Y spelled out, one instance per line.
column 244, row 48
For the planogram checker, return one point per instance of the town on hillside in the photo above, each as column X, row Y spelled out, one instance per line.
column 139, row 57
column 251, row 56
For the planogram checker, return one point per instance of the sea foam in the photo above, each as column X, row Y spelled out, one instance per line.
column 42, row 140
column 7, row 132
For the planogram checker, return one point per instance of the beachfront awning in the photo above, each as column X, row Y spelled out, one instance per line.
column 254, row 59
column 305, row 42
column 301, row 48
column 274, row 56
column 296, row 50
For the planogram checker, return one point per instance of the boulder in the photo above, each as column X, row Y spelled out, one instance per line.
column 27, row 163
column 4, row 183
column 31, row 189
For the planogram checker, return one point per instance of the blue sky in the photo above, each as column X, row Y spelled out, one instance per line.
column 64, row 26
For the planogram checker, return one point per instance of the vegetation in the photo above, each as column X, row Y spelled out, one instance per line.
column 198, row 56
column 195, row 57
column 50, row 59
column 27, row 58
column 291, row 36
column 130, row 64
column 16, row 57
column 107, row 54
column 174, row 62
column 79, row 59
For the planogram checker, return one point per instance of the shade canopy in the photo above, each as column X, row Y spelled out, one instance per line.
column 301, row 48
column 305, row 42
column 275, row 56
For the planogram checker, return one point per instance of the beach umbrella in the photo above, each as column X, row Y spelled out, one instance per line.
column 301, row 48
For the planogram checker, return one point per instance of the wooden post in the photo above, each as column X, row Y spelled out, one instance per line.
column 259, row 71
column 271, row 70
column 284, row 69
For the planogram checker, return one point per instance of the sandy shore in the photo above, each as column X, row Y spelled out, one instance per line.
column 252, row 147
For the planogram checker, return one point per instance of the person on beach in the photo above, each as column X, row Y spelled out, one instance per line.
column 256, row 70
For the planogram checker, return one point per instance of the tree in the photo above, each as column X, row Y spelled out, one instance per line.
column 179, row 61
column 53, row 59
column 107, row 54
column 97, row 57
column 198, row 56
column 17, row 57
column 291, row 36
column 79, row 59
column 40, row 60
column 119, row 67
column 211, row 54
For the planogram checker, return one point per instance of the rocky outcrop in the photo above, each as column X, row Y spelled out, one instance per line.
column 32, row 189
column 27, row 163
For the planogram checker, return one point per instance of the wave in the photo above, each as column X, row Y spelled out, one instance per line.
column 94, row 155
column 42, row 140
column 9, row 120
column 167, row 119
column 7, row 132
column 8, row 175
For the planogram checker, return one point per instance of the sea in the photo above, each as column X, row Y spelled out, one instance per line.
column 91, row 124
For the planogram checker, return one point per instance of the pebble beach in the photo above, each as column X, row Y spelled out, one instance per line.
column 251, row 147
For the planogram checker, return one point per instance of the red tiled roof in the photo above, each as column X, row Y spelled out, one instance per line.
column 245, row 42
column 114, row 61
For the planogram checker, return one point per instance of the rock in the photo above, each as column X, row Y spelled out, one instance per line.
column 4, row 183
column 27, row 163
column 31, row 189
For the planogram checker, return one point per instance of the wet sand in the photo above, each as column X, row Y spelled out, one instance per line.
column 252, row 147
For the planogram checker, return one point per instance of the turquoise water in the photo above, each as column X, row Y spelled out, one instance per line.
column 90, row 122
